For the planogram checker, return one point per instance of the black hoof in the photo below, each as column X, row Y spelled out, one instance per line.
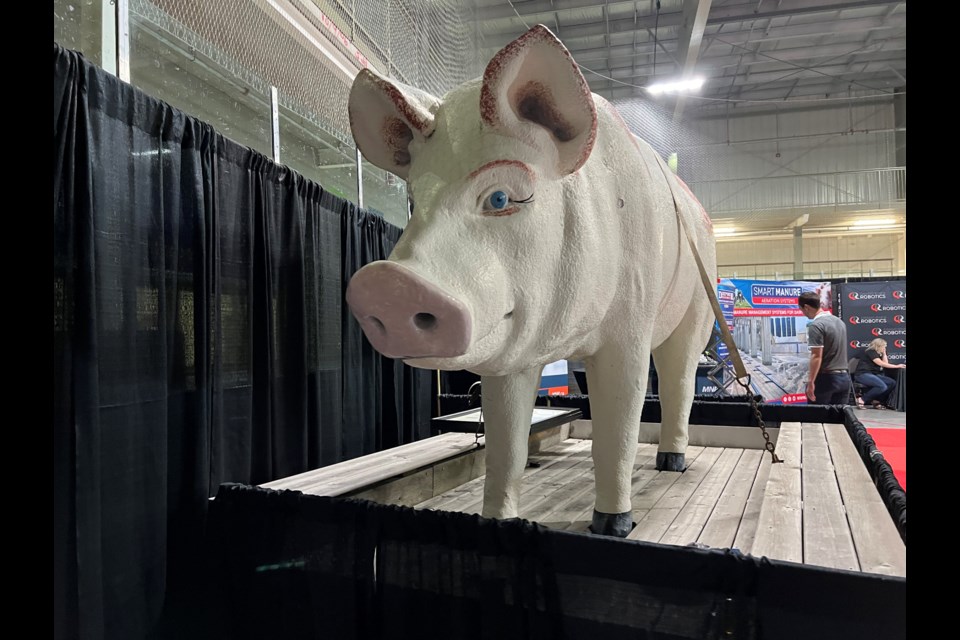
column 671, row 462
column 611, row 524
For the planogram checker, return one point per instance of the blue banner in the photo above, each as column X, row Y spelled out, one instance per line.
column 770, row 332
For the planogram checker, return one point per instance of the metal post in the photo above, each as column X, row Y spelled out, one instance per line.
column 798, row 253
column 275, row 123
column 900, row 137
column 766, row 339
column 108, row 36
column 359, row 179
column 123, row 39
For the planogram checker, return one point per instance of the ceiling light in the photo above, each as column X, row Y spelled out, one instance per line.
column 676, row 86
column 724, row 231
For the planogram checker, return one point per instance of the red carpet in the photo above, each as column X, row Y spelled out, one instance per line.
column 893, row 444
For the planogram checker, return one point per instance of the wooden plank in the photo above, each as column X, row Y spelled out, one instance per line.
column 692, row 517
column 579, row 493
column 780, row 525
column 827, row 541
column 358, row 465
column 876, row 540
column 401, row 462
column 406, row 491
column 543, row 440
column 653, row 517
column 450, row 474
column 712, row 435
column 445, row 501
column 534, row 477
column 468, row 498
column 536, row 497
column 721, row 528
column 578, row 514
column 544, row 500
column 747, row 530
column 703, row 435
column 414, row 488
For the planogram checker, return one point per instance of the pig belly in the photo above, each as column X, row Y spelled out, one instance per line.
column 675, row 301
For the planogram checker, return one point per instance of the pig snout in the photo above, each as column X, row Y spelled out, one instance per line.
column 406, row 316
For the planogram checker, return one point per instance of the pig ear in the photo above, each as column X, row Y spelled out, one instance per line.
column 385, row 117
column 534, row 80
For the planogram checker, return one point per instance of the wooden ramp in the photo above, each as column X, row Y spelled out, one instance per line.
column 818, row 507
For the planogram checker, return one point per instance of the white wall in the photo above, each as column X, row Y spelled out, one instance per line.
column 793, row 159
column 825, row 154
column 852, row 255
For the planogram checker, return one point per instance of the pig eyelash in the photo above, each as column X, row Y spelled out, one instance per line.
column 504, row 205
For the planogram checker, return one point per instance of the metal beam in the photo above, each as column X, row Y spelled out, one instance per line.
column 760, row 71
column 695, row 14
column 592, row 28
column 738, row 37
column 747, row 11
column 719, row 110
column 719, row 15
column 500, row 9
column 808, row 87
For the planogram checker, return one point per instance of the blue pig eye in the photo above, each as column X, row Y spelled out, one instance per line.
column 496, row 200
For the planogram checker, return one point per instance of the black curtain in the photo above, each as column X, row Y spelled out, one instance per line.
column 399, row 408
column 290, row 565
column 200, row 337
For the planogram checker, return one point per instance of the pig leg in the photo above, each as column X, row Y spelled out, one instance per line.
column 507, row 410
column 617, row 378
column 676, row 362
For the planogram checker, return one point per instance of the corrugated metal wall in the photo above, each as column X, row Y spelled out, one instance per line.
column 841, row 155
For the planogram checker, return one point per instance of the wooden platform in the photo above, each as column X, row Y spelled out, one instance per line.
column 819, row 507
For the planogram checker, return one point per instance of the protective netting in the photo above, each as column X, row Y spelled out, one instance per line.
column 762, row 164
column 427, row 44
column 218, row 60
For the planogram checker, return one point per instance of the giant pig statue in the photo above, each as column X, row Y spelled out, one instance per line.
column 542, row 229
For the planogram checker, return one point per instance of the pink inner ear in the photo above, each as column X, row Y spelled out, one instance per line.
column 535, row 102
column 398, row 135
column 535, row 79
column 418, row 116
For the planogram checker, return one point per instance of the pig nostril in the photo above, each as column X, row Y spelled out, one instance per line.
column 425, row 321
column 378, row 323
column 508, row 316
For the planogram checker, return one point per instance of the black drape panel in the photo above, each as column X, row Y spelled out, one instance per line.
column 198, row 331
column 880, row 470
column 291, row 565
column 397, row 409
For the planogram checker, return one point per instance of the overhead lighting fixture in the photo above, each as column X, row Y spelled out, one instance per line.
column 873, row 224
column 724, row 231
column 677, row 86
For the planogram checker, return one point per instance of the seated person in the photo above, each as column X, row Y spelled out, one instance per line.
column 873, row 360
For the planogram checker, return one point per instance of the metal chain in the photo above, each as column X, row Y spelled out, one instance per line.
column 756, row 412
column 475, row 396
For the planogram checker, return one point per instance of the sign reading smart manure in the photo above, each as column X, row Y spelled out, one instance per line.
column 771, row 332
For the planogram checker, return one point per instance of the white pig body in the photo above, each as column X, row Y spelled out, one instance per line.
column 542, row 230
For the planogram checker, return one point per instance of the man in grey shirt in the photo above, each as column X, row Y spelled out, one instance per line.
column 829, row 381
